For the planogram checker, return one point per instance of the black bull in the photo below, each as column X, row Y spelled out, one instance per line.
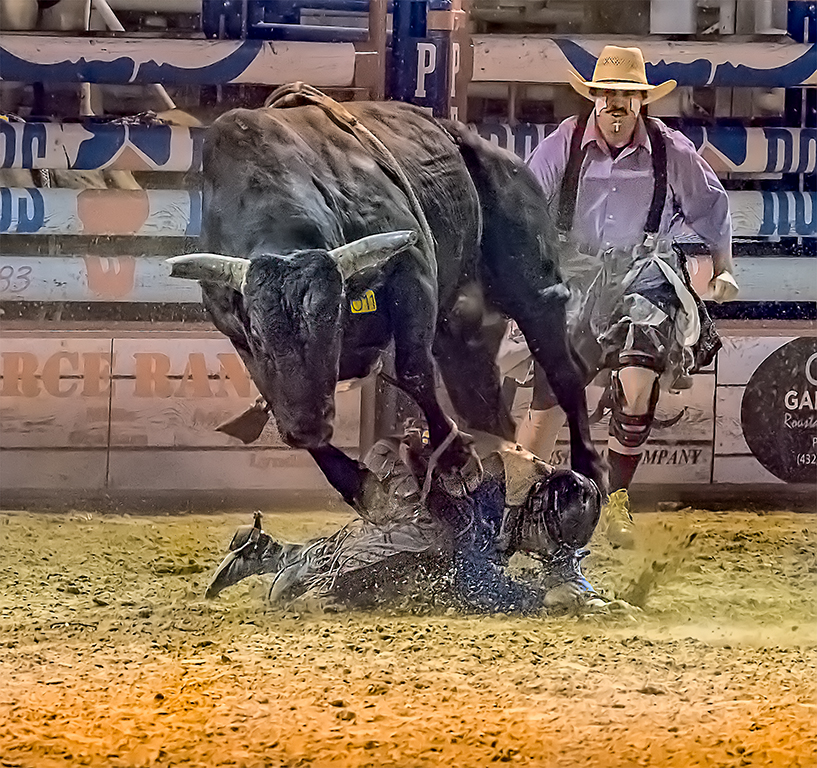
column 284, row 188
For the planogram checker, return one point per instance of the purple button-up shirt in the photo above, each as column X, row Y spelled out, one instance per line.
column 614, row 194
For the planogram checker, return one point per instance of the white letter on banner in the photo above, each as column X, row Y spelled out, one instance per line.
column 426, row 64
column 455, row 67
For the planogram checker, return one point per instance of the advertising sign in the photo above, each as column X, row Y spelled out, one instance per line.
column 677, row 454
column 94, row 413
column 52, row 58
column 546, row 59
column 779, row 412
column 425, row 60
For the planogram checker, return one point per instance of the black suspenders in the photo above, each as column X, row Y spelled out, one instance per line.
column 659, row 172
column 570, row 180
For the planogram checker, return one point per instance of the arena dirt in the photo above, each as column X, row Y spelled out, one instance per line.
column 110, row 657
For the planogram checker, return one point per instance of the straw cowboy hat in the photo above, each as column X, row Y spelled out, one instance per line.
column 620, row 69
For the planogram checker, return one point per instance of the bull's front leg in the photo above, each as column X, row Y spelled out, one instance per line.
column 358, row 485
column 414, row 315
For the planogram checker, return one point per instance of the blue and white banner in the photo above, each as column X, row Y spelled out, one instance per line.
column 728, row 149
column 540, row 59
column 735, row 149
column 100, row 212
column 97, row 145
column 773, row 214
column 49, row 59
column 177, row 213
column 93, row 278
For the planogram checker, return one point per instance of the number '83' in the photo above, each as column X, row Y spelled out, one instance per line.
column 14, row 279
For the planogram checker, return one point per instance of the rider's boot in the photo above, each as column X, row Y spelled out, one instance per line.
column 616, row 518
column 251, row 552
column 566, row 587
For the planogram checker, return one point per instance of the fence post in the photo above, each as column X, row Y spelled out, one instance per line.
column 462, row 59
column 420, row 71
column 377, row 40
column 802, row 21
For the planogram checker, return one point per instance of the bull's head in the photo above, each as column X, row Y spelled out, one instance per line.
column 291, row 308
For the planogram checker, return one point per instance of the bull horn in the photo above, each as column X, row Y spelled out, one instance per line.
column 371, row 251
column 211, row 268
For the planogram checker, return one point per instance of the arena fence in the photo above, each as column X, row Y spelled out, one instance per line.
column 128, row 408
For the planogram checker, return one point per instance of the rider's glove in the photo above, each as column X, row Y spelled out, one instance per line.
column 723, row 287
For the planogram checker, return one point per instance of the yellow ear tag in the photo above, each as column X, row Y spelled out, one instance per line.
column 365, row 304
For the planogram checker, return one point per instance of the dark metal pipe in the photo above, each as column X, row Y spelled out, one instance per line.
column 311, row 33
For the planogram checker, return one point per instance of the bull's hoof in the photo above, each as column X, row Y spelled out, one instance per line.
column 248, row 426
column 372, row 502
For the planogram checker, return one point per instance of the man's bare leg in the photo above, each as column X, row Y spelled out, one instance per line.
column 539, row 429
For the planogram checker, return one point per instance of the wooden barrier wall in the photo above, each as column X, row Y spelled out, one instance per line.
column 177, row 213
column 95, row 413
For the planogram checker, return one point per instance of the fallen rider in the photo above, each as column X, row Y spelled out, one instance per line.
column 460, row 546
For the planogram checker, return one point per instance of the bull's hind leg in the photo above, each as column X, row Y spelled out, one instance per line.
column 465, row 350
column 520, row 277
column 540, row 315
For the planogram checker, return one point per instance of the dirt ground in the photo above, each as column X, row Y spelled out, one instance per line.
column 110, row 656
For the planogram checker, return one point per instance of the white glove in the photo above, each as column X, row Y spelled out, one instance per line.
column 723, row 287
